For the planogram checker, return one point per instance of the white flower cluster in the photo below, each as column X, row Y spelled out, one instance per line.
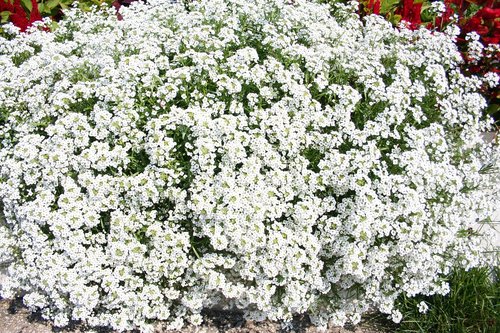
column 274, row 156
column 438, row 8
column 474, row 47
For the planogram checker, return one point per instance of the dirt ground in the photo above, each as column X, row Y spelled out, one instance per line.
column 15, row 318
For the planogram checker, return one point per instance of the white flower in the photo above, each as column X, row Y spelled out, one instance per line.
column 438, row 8
column 423, row 307
column 396, row 316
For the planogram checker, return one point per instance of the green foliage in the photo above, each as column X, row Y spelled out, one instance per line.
column 4, row 17
column 472, row 306
column 53, row 7
column 314, row 156
column 389, row 6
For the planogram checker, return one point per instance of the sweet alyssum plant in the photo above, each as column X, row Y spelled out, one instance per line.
column 279, row 157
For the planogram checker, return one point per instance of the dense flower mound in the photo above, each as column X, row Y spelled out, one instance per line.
column 280, row 157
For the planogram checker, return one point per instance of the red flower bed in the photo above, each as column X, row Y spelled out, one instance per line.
column 18, row 15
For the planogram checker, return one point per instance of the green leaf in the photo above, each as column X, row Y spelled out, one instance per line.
column 388, row 5
column 53, row 25
column 427, row 15
column 27, row 5
column 65, row 3
column 394, row 19
column 4, row 17
column 51, row 4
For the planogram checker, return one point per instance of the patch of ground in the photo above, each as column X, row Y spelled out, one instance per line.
column 15, row 318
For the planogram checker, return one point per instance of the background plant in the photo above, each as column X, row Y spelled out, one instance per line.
column 23, row 13
column 473, row 305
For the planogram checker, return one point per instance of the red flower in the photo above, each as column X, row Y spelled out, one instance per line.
column 35, row 13
column 488, row 13
column 18, row 15
column 483, row 3
column 374, row 6
column 486, row 22
column 410, row 12
column 117, row 6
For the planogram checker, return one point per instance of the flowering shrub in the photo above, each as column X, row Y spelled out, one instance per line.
column 278, row 157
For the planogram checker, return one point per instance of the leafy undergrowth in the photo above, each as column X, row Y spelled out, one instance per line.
column 473, row 305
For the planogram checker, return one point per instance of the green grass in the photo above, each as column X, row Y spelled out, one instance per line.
column 472, row 306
